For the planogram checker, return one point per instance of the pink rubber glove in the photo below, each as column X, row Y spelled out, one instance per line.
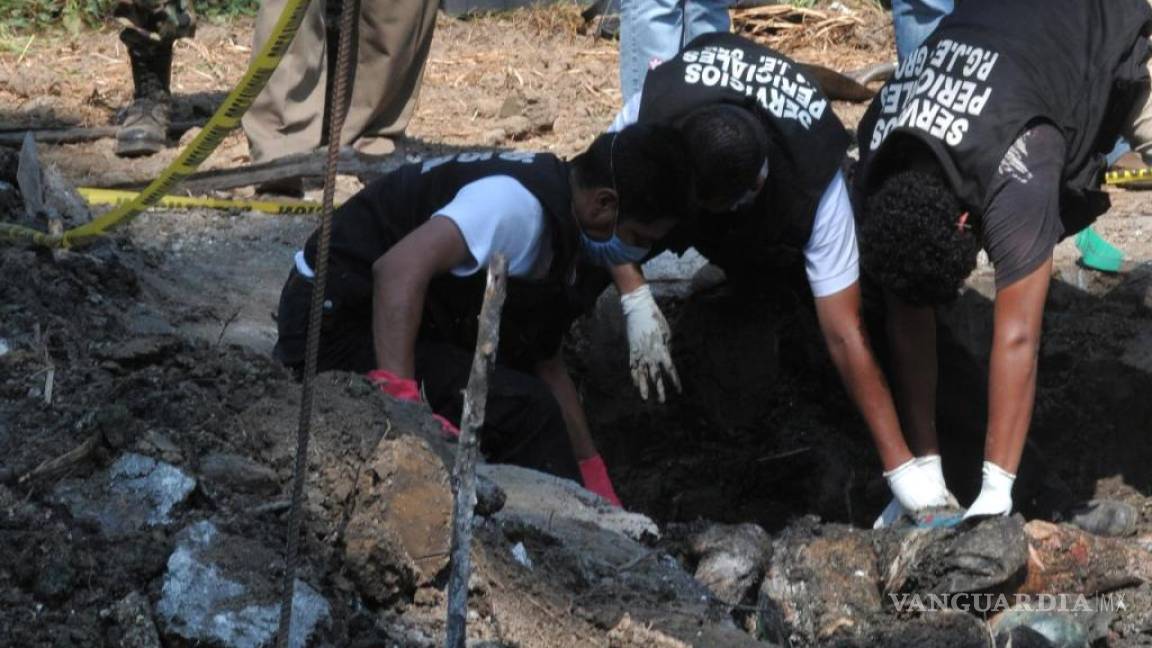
column 406, row 389
column 595, row 476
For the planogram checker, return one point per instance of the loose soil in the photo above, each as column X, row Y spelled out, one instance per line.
column 158, row 340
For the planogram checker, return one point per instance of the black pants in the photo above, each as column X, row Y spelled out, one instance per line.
column 523, row 424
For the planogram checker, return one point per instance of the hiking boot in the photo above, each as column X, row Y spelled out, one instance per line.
column 144, row 127
column 144, row 130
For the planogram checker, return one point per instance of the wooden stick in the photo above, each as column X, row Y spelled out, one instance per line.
column 77, row 135
column 464, row 474
column 299, row 165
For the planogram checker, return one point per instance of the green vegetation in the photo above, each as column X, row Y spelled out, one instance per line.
column 36, row 15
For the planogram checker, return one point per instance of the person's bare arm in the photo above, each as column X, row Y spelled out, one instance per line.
column 627, row 277
column 847, row 341
column 911, row 334
column 555, row 374
column 1019, row 315
column 399, row 283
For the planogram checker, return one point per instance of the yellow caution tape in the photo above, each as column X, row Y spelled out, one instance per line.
column 227, row 117
column 1134, row 175
column 97, row 196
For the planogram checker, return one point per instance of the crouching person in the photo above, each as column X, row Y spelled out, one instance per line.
column 407, row 272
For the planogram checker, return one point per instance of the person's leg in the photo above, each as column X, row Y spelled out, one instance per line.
column 914, row 20
column 704, row 17
column 288, row 114
column 523, row 424
column 649, row 30
column 1138, row 130
column 394, row 40
column 150, row 27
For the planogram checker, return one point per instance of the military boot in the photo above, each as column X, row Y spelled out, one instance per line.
column 144, row 127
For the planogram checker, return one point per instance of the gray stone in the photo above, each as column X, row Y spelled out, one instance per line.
column 134, row 617
column 490, row 498
column 139, row 351
column 134, row 493
column 218, row 591
column 223, row 471
column 731, row 559
column 1059, row 629
column 144, row 321
column 539, row 497
column 988, row 556
column 1103, row 517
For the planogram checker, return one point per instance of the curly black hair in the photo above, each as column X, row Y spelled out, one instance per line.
column 909, row 239
column 728, row 146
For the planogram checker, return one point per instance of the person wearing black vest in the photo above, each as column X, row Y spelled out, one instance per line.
column 407, row 275
column 767, row 154
column 993, row 134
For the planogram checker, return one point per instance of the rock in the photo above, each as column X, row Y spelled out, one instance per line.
column 219, row 591
column 134, row 493
column 522, row 117
column 1022, row 637
column 1065, row 559
column 990, row 556
column 819, row 588
column 134, row 617
column 935, row 630
column 230, row 472
column 731, row 559
column 400, row 532
column 142, row 320
column 140, row 351
column 1040, row 628
column 490, row 498
column 536, row 496
column 1110, row 518
column 627, row 633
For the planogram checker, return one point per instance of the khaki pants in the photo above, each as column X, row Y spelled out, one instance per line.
column 394, row 37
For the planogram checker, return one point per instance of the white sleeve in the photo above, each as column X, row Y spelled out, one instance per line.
column 627, row 116
column 830, row 257
column 498, row 214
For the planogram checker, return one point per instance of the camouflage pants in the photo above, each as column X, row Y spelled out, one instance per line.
column 154, row 21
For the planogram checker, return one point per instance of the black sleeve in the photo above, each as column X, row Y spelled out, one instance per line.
column 1021, row 224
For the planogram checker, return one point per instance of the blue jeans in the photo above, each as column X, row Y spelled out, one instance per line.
column 658, row 29
column 914, row 20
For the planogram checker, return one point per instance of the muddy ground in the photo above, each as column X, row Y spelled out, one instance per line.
column 157, row 342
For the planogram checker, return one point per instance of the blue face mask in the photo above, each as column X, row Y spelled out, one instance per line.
column 612, row 252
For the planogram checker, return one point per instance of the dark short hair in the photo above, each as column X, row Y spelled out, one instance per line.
column 728, row 147
column 647, row 166
column 909, row 239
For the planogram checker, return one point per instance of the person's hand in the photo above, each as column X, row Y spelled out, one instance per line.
column 406, row 389
column 915, row 488
column 595, row 476
column 649, row 357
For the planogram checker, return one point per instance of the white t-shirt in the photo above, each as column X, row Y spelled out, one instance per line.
column 498, row 214
column 494, row 214
column 831, row 259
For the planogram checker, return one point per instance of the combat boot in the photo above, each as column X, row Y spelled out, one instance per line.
column 144, row 127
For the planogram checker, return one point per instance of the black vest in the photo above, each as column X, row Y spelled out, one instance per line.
column 536, row 312
column 993, row 68
column 807, row 144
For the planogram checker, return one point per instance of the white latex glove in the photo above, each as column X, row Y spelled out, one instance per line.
column 649, row 357
column 935, row 469
column 914, row 487
column 995, row 493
